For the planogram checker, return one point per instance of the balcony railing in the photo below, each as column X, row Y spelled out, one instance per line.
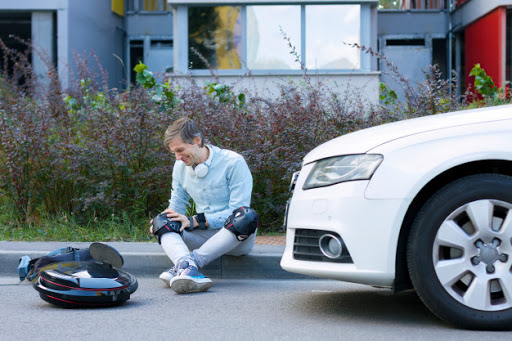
column 423, row 4
column 414, row 4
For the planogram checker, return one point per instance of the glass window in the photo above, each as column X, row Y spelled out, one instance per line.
column 328, row 27
column 215, row 37
column 266, row 46
column 144, row 5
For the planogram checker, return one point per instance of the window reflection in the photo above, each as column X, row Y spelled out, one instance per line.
column 215, row 37
column 266, row 46
column 325, row 48
column 147, row 5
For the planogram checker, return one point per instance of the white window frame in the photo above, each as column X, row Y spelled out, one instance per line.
column 181, row 57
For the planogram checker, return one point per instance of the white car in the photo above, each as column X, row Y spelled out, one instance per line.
column 424, row 203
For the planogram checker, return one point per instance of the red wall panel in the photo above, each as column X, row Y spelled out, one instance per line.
column 485, row 44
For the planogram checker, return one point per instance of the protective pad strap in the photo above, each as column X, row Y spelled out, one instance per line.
column 201, row 220
column 191, row 223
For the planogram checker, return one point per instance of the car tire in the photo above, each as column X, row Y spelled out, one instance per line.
column 459, row 252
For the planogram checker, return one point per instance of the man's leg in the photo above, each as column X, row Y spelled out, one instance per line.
column 190, row 279
column 184, row 277
column 174, row 247
column 177, row 251
column 178, row 246
column 245, row 247
column 222, row 242
column 207, row 245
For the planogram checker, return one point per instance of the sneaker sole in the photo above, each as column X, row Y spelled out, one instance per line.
column 189, row 285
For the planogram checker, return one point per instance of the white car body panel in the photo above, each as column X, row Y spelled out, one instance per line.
column 368, row 214
column 417, row 159
column 364, row 140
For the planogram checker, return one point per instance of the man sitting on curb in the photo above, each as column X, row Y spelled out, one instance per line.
column 220, row 184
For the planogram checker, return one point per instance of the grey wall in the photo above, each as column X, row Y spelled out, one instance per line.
column 412, row 22
column 93, row 27
column 411, row 59
column 147, row 23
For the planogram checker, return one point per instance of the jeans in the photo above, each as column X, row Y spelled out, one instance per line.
column 207, row 245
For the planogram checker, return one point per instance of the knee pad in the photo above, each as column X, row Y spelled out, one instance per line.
column 162, row 224
column 243, row 222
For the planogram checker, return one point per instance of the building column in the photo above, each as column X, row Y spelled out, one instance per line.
column 180, row 18
column 43, row 40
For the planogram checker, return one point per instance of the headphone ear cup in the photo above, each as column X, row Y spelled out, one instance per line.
column 201, row 170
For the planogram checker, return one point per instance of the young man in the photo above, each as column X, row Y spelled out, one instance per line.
column 220, row 184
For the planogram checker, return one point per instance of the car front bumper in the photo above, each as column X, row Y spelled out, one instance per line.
column 368, row 228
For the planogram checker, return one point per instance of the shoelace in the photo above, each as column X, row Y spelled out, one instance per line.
column 185, row 270
column 172, row 271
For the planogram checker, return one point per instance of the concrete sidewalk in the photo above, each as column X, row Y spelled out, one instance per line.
column 148, row 259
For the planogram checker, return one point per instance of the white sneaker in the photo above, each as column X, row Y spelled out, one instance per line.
column 168, row 275
column 189, row 279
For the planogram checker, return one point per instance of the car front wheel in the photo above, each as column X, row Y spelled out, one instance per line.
column 459, row 252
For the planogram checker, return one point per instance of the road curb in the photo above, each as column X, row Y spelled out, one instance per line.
column 148, row 259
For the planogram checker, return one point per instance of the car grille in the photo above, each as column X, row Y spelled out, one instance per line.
column 306, row 247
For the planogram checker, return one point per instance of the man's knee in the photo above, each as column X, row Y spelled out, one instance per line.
column 242, row 223
column 244, row 248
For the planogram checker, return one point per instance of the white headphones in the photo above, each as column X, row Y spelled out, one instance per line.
column 201, row 169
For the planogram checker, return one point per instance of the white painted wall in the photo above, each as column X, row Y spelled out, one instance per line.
column 361, row 87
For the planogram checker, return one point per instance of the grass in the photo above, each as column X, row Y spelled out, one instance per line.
column 66, row 229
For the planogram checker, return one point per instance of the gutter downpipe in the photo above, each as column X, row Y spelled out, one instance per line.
column 450, row 45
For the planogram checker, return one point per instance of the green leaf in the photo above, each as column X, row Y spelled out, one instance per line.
column 140, row 78
column 140, row 67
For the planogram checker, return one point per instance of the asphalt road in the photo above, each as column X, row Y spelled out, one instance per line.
column 232, row 310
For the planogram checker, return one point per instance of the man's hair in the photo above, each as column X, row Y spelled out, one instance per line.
column 186, row 129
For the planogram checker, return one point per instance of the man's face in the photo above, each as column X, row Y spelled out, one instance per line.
column 186, row 152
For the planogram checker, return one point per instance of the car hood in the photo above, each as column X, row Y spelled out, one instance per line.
column 366, row 139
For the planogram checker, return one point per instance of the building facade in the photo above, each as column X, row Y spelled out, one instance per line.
column 63, row 29
column 482, row 31
column 454, row 34
column 274, row 42
column 270, row 41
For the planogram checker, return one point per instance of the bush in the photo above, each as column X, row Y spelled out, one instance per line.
column 487, row 90
column 90, row 156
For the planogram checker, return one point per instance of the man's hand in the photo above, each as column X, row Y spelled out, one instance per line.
column 170, row 213
column 175, row 216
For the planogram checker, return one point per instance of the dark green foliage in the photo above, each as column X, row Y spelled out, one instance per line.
column 389, row 4
column 90, row 156
column 484, row 85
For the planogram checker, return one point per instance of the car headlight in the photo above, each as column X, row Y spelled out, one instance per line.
column 342, row 168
